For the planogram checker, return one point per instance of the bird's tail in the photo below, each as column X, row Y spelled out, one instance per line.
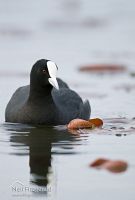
column 85, row 110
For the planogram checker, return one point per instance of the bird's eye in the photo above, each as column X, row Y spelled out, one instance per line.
column 44, row 71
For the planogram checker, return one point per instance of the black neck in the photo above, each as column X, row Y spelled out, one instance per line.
column 39, row 92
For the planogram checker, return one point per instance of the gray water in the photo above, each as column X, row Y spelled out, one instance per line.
column 51, row 162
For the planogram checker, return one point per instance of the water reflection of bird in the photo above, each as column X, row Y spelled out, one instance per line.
column 47, row 100
column 39, row 141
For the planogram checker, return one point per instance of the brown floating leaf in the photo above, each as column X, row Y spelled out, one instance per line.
column 97, row 122
column 98, row 162
column 79, row 123
column 100, row 68
column 115, row 166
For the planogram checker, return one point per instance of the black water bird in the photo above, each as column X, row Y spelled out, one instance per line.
column 47, row 100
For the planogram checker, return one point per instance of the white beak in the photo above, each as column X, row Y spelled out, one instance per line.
column 53, row 81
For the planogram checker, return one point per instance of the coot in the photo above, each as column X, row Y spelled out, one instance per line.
column 47, row 100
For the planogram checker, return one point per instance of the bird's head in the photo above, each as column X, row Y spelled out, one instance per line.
column 44, row 73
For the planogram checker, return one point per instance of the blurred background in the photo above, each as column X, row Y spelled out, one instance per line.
column 70, row 32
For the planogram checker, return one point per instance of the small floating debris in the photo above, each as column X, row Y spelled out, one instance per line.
column 115, row 166
column 85, row 124
column 103, row 68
